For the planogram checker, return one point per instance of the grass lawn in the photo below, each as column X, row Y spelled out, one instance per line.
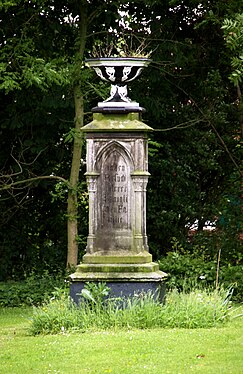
column 215, row 350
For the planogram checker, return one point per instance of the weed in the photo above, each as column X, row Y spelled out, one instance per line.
column 196, row 309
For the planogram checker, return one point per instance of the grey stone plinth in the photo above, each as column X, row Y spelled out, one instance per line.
column 117, row 251
column 122, row 274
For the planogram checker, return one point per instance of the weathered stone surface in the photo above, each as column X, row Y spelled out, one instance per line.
column 117, row 175
column 117, row 258
column 118, row 268
column 124, row 289
column 116, row 123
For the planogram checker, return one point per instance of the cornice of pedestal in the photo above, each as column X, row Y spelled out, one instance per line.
column 116, row 122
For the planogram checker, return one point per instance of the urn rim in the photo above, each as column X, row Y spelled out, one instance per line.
column 118, row 61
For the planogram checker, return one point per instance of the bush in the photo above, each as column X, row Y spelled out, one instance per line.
column 187, row 270
column 198, row 309
column 31, row 291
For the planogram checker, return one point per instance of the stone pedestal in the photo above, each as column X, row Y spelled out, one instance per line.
column 117, row 250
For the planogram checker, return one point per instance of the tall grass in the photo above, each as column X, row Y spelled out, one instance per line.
column 197, row 309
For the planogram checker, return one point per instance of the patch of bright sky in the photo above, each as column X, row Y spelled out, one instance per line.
column 126, row 19
column 191, row 16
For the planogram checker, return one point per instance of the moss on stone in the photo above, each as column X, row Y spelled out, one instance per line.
column 117, row 258
column 118, row 268
column 156, row 276
column 116, row 122
column 118, row 272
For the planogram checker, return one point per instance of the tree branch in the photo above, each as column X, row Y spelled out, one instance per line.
column 30, row 180
column 214, row 129
column 182, row 126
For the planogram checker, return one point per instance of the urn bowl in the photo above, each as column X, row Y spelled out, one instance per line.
column 118, row 70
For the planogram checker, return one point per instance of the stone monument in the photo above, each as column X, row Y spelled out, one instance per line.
column 117, row 250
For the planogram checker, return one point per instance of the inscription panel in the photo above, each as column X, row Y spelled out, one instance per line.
column 114, row 192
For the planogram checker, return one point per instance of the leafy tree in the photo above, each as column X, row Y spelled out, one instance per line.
column 43, row 45
column 233, row 32
column 195, row 155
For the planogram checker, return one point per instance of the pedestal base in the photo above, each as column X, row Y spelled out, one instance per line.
column 126, row 276
column 124, row 289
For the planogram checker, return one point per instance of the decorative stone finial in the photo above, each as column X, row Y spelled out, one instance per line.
column 118, row 71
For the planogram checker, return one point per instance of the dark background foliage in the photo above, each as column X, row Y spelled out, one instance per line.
column 189, row 100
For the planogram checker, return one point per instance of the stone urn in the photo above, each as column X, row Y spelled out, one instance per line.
column 118, row 71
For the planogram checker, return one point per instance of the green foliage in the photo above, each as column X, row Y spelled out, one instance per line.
column 233, row 32
column 71, row 135
column 189, row 104
column 198, row 309
column 35, row 73
column 198, row 269
column 96, row 293
column 34, row 290
column 186, row 270
column 59, row 192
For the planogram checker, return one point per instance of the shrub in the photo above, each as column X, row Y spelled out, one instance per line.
column 31, row 291
column 187, row 270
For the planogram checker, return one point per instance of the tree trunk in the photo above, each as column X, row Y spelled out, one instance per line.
column 72, row 221
column 72, row 208
column 239, row 94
